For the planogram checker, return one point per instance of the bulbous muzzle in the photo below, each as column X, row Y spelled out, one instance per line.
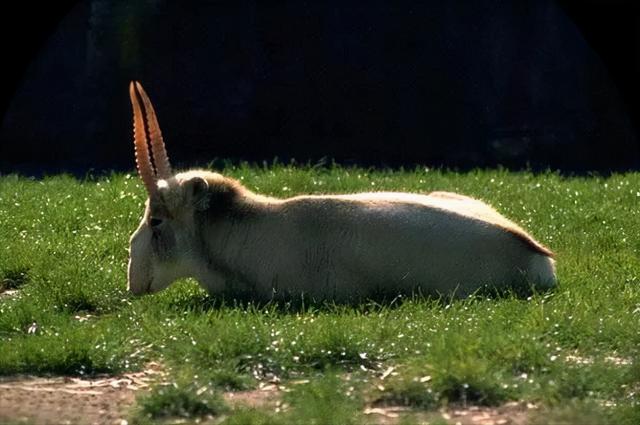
column 139, row 273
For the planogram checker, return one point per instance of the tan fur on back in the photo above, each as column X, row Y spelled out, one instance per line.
column 447, row 201
column 454, row 203
column 474, row 208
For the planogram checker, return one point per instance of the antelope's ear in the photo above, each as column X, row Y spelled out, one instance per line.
column 196, row 190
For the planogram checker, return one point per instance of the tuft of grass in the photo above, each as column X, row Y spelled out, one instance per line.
column 178, row 401
column 328, row 399
column 13, row 278
column 460, row 381
column 67, row 348
column 410, row 392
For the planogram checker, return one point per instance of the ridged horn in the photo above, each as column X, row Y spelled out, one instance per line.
column 160, row 158
column 143, row 160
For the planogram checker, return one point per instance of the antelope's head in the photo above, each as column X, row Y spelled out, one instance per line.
column 164, row 247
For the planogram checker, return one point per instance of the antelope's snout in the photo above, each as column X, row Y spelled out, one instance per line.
column 139, row 273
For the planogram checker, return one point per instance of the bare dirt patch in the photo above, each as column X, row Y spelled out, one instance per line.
column 8, row 293
column 100, row 400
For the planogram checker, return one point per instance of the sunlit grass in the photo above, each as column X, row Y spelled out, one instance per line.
column 63, row 246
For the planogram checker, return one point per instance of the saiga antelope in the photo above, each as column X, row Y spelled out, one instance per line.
column 322, row 247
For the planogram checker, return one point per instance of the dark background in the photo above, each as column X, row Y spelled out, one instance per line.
column 529, row 83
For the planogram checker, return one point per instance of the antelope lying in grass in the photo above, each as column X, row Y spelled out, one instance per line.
column 332, row 247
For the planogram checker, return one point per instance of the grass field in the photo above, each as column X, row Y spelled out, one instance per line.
column 573, row 352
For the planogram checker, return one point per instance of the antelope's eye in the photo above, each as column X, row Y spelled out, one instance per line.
column 155, row 221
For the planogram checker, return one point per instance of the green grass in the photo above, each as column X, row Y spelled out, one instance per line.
column 184, row 400
column 63, row 245
column 327, row 399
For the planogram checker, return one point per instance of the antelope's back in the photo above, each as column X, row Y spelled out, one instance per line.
column 362, row 244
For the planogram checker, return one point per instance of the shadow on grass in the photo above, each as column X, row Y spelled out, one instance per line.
column 203, row 302
column 14, row 278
